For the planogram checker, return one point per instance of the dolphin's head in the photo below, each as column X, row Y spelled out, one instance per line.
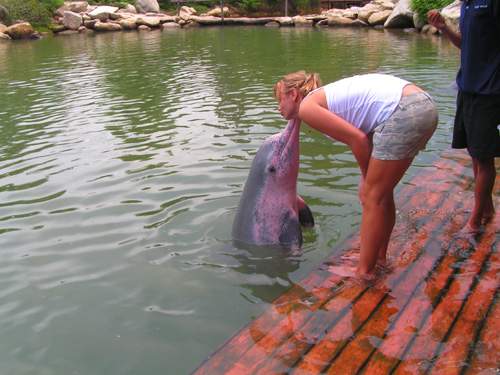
column 267, row 213
column 276, row 164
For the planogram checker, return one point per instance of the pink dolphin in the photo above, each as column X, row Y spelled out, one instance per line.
column 270, row 211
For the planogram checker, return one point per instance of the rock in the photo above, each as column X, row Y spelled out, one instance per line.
column 339, row 21
column 102, row 13
column 107, row 26
column 170, row 25
column 186, row 12
column 67, row 32
column 272, row 24
column 129, row 8
column 429, row 29
column 366, row 11
column 418, row 21
column 386, row 5
column 148, row 21
column 55, row 28
column 322, row 23
column 350, row 14
column 145, row 6
column 191, row 24
column 166, row 18
column 90, row 24
column 21, row 30
column 379, row 18
column 4, row 36
column 77, row 6
column 72, row 20
column 284, row 21
column 143, row 28
column 401, row 17
column 128, row 24
column 451, row 14
column 217, row 13
column 300, row 21
column 3, row 28
column 115, row 16
column 4, row 14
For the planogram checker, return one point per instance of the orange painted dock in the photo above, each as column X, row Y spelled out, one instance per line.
column 436, row 312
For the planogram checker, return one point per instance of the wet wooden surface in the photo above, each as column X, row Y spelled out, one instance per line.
column 437, row 311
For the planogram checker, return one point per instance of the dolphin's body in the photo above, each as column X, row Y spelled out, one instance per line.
column 270, row 211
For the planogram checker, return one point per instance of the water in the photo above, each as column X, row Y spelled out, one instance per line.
column 122, row 158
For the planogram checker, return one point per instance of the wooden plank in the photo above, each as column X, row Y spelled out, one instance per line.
column 291, row 348
column 486, row 352
column 466, row 265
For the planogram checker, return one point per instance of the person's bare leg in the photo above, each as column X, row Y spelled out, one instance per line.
column 379, row 213
column 484, row 181
column 391, row 220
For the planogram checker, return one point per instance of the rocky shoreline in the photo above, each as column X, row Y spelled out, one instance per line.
column 80, row 17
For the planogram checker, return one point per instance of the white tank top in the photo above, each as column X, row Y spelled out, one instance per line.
column 365, row 100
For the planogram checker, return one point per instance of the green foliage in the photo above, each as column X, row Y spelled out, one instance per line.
column 32, row 11
column 421, row 7
column 51, row 5
column 249, row 5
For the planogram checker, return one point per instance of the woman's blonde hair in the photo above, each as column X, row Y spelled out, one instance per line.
column 304, row 82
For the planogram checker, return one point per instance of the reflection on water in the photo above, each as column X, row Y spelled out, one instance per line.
column 122, row 157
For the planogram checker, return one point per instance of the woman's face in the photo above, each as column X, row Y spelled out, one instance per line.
column 289, row 103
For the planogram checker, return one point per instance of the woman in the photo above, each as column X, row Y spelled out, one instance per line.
column 385, row 121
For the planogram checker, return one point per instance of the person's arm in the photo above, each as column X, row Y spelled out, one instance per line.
column 337, row 128
column 437, row 20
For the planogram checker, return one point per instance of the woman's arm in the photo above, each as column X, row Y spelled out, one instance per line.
column 337, row 128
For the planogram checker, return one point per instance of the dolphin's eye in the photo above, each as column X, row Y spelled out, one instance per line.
column 271, row 169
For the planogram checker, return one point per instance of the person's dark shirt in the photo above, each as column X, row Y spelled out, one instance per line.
column 480, row 50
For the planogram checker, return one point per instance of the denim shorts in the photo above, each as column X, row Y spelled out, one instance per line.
column 407, row 130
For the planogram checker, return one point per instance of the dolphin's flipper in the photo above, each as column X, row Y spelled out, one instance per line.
column 306, row 217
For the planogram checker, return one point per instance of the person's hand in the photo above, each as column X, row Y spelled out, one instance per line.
column 436, row 19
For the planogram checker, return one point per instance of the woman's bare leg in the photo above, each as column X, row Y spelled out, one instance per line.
column 379, row 211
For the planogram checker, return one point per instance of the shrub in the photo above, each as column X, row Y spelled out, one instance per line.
column 31, row 11
column 421, row 7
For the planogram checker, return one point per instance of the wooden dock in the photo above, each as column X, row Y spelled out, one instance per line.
column 437, row 311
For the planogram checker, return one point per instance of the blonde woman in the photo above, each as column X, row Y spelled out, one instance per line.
column 385, row 121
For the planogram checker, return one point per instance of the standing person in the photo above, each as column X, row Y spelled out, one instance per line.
column 477, row 119
column 385, row 121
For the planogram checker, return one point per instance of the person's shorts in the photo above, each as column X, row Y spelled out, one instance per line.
column 477, row 125
column 407, row 130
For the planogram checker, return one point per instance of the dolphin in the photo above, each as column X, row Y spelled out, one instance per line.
column 270, row 212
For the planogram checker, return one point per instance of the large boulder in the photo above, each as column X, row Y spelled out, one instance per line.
column 401, row 17
column 102, row 13
column 216, row 12
column 284, row 21
column 146, row 6
column 107, row 26
column 337, row 21
column 300, row 21
column 451, row 14
column 21, row 30
column 186, row 12
column 4, row 37
column 379, row 18
column 3, row 28
column 72, row 20
column 151, row 22
column 365, row 12
column 129, row 9
column 128, row 24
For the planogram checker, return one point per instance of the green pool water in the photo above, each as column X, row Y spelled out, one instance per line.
column 122, row 158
